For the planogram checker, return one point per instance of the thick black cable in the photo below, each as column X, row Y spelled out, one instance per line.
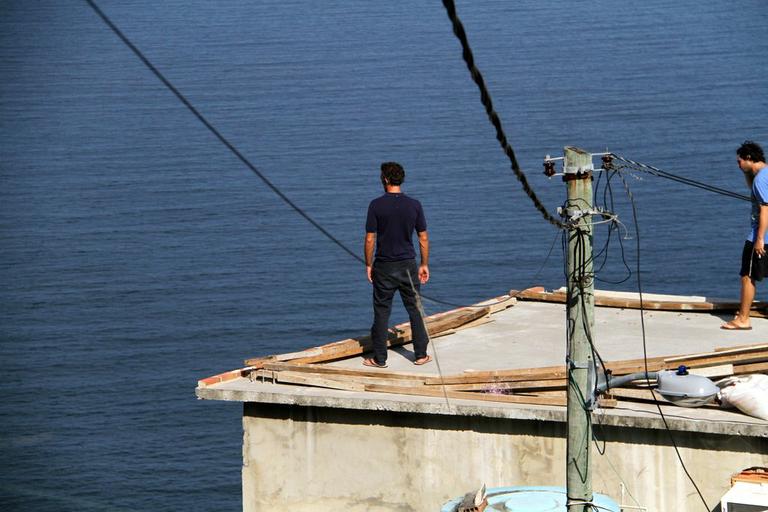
column 645, row 348
column 239, row 155
column 493, row 117
column 216, row 132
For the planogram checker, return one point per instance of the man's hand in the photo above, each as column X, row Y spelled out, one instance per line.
column 368, row 245
column 759, row 247
column 423, row 274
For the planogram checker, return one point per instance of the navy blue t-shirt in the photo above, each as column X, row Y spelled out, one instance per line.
column 394, row 217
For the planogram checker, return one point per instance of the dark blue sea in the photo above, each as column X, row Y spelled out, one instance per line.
column 138, row 255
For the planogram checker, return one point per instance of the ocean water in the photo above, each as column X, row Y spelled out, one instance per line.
column 138, row 254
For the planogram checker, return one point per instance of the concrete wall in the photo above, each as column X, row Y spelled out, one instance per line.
column 322, row 459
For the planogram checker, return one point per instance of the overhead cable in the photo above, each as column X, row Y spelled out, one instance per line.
column 493, row 117
column 680, row 179
column 216, row 132
column 645, row 347
column 242, row 157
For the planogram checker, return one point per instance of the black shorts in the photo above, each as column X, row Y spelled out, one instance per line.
column 753, row 265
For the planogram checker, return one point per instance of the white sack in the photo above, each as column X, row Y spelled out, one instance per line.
column 748, row 393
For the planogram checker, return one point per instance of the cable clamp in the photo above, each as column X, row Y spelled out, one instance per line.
column 573, row 365
column 574, row 214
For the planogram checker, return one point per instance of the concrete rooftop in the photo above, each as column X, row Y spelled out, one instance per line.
column 532, row 334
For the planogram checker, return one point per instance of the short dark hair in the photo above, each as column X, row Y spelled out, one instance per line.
column 751, row 151
column 393, row 172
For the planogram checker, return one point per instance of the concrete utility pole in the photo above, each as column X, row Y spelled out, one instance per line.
column 581, row 301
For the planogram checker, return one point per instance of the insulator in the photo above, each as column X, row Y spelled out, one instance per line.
column 549, row 168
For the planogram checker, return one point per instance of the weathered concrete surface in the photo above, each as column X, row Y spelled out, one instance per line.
column 326, row 459
column 313, row 449
column 638, row 415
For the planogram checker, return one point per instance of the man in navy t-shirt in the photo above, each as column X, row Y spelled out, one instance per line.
column 392, row 219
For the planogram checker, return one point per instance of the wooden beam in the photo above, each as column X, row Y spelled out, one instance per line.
column 723, row 370
column 743, row 369
column 762, row 349
column 718, row 358
column 436, row 392
column 520, row 386
column 355, row 346
column 544, row 373
column 605, row 299
column 754, row 346
column 345, row 372
column 317, row 381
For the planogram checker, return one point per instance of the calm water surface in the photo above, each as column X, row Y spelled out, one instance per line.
column 139, row 255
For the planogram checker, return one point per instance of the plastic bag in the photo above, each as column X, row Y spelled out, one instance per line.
column 748, row 393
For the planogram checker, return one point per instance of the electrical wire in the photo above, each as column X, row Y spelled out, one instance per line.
column 244, row 159
column 680, row 179
column 493, row 117
column 645, row 348
column 420, row 307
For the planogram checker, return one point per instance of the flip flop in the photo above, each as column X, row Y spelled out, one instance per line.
column 730, row 326
column 423, row 360
column 372, row 363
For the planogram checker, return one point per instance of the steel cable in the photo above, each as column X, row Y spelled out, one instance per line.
column 680, row 179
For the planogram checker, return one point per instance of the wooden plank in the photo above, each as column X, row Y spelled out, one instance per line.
column 719, row 353
column 316, row 381
column 754, row 346
column 544, row 373
column 480, row 321
column 434, row 391
column 724, row 370
column 510, row 386
column 607, row 300
column 499, row 303
column 635, row 365
column 355, row 346
column 713, row 360
column 345, row 372
column 223, row 377
column 359, row 380
column 635, row 394
column 555, row 392
column 435, row 324
column 744, row 369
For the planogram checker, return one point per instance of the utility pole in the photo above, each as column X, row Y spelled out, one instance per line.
column 581, row 301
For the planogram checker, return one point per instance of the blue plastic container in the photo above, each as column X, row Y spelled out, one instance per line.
column 532, row 499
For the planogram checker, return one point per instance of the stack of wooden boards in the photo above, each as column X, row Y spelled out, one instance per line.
column 537, row 386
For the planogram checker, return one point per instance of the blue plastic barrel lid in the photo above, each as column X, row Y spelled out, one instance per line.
column 548, row 499
column 536, row 501
column 545, row 498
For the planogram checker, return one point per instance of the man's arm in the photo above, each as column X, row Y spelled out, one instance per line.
column 762, row 227
column 424, row 250
column 368, row 246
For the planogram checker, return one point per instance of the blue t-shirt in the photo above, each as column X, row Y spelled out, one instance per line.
column 759, row 197
column 394, row 217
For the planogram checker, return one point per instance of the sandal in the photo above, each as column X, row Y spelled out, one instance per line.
column 423, row 360
column 372, row 363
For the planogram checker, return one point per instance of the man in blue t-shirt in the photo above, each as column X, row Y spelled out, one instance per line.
column 392, row 219
column 754, row 262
